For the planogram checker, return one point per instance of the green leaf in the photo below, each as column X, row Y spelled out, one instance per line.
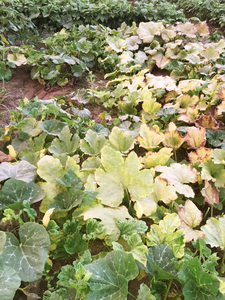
column 109, row 217
column 218, row 156
column 110, row 276
column 67, row 200
column 129, row 227
column 120, row 174
column 52, row 127
column 76, row 279
column 28, row 256
column 159, row 262
column 116, row 43
column 166, row 233
column 215, row 232
column 81, row 96
column 65, row 144
column 21, row 170
column 137, row 248
column 2, row 240
column 216, row 138
column 214, row 172
column 120, row 140
column 14, row 192
column 50, row 168
column 70, row 179
column 9, row 282
column 92, row 143
column 198, row 284
column 31, row 126
column 145, row 293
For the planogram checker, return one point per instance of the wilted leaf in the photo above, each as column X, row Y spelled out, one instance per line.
column 190, row 217
column 164, row 192
column 178, row 175
column 210, row 53
column 202, row 28
column 5, row 157
column 17, row 59
column 168, row 35
column 195, row 137
column 190, row 115
column 149, row 138
column 153, row 159
column 201, row 154
column 208, row 122
column 173, row 139
column 188, row 85
column 151, row 106
column 133, row 42
column 161, row 60
column 215, row 232
column 145, row 206
column 218, row 156
column 147, row 31
column 117, row 44
column 210, row 193
column 187, row 28
column 161, row 82
column 185, row 101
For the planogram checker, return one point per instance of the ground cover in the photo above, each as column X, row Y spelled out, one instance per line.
column 114, row 187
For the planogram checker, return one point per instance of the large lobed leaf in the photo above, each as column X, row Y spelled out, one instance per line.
column 120, row 174
column 110, row 276
column 28, row 256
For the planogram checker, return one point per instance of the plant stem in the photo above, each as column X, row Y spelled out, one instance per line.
column 132, row 295
column 211, row 211
column 168, row 289
column 178, row 295
column 175, row 155
column 206, row 213
column 222, row 264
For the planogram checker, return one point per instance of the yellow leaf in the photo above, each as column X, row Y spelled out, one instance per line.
column 4, row 39
column 41, row 81
column 12, row 152
column 173, row 139
column 46, row 217
column 17, row 59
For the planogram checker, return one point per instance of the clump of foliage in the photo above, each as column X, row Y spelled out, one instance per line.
column 147, row 186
